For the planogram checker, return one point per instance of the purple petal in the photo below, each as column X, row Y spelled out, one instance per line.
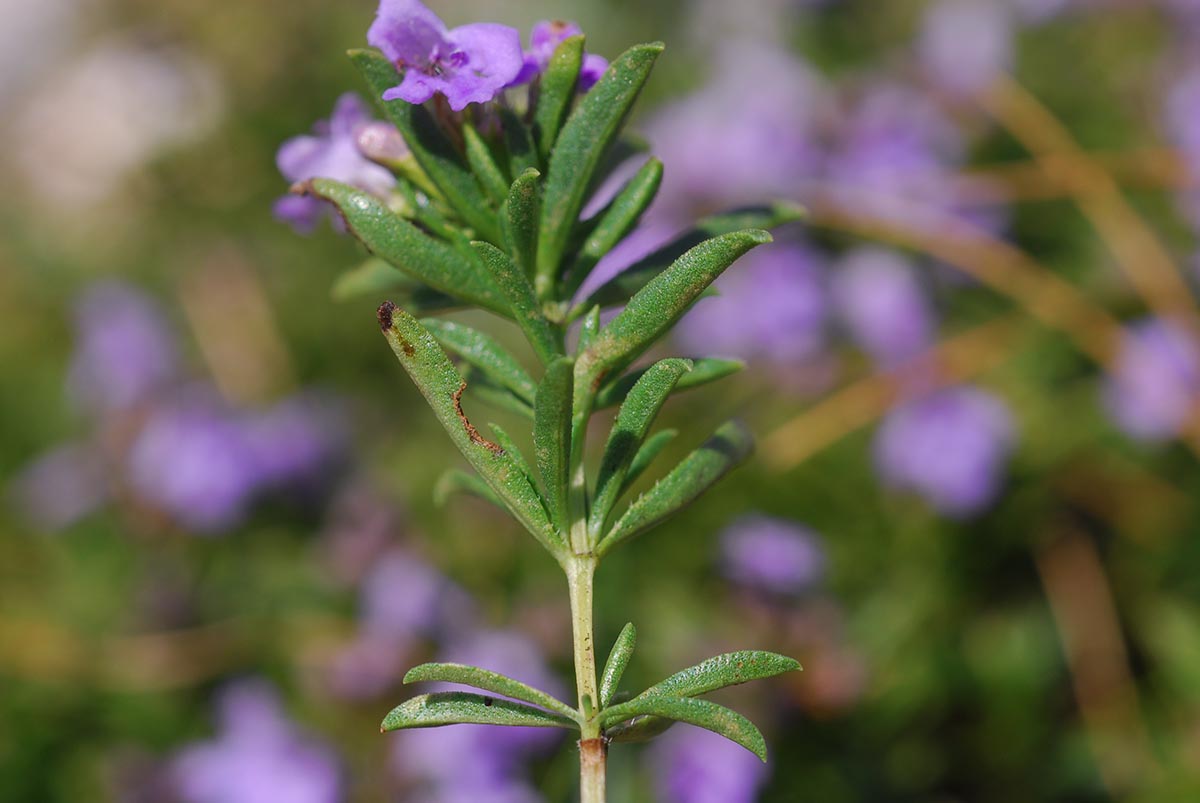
column 407, row 32
column 591, row 71
column 772, row 555
column 493, row 60
column 882, row 305
column 1155, row 385
column 965, row 44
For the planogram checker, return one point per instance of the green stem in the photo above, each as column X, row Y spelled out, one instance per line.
column 592, row 751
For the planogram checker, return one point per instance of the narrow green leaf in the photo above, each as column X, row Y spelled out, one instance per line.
column 493, row 395
column 489, row 681
column 705, row 714
column 442, row 386
column 556, row 92
column 423, row 211
column 374, row 277
column 624, row 285
column 505, row 440
column 664, row 299
column 484, row 353
column 645, row 456
column 639, row 729
column 400, row 243
column 462, row 708
column 704, row 370
column 552, row 435
column 616, row 222
column 483, row 163
column 514, row 284
column 632, row 424
column 730, row 669
column 518, row 141
column 456, row 481
column 577, row 153
column 618, row 659
column 436, row 154
column 523, row 207
column 729, row 446
column 588, row 330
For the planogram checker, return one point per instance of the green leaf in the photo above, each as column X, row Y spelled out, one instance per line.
column 730, row 669
column 374, row 276
column 484, row 353
column 400, row 243
column 556, row 92
column 639, row 729
column 462, row 708
column 433, row 150
column 588, row 330
column 518, row 140
column 705, row 714
column 456, row 481
column 577, row 153
column 662, row 302
column 442, row 386
column 522, row 207
column 618, row 659
column 616, row 222
column 488, row 681
column 633, row 423
column 493, row 395
column 514, row 284
column 729, row 446
column 505, row 440
column 704, row 370
column 629, row 281
column 645, row 456
column 552, row 435
column 483, row 163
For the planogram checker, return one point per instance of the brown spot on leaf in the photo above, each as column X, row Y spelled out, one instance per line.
column 384, row 314
column 407, row 348
column 488, row 701
column 472, row 433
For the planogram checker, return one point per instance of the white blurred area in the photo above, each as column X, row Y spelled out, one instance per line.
column 81, row 116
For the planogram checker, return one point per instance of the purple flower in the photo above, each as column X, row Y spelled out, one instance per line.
column 258, row 756
column 124, row 349
column 1181, row 114
column 949, row 447
column 693, row 765
column 403, row 598
column 295, row 442
column 468, row 64
column 332, row 151
column 192, row 460
column 882, row 305
column 61, row 486
column 544, row 40
column 964, row 44
column 773, row 555
column 1155, row 385
column 772, row 305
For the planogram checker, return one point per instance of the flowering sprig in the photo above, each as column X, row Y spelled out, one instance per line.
column 488, row 214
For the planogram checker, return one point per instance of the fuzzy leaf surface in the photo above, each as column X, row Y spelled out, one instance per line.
column 400, row 243
column 704, row 371
column 645, row 456
column 556, row 93
column 699, row 471
column 522, row 208
column 702, row 713
column 618, row 659
column 524, row 307
column 443, row 387
column 375, row 276
column 730, row 669
column 552, row 435
column 484, row 353
column 462, row 708
column 663, row 301
column 487, row 680
column 579, row 149
column 483, row 163
column 629, row 430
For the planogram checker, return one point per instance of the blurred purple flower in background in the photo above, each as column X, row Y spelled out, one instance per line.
column 125, row 350
column 331, row 152
column 469, row 64
column 1155, row 385
column 693, row 765
column 258, row 756
column 772, row 306
column 545, row 38
column 498, row 754
column 772, row 555
column 882, row 305
column 403, row 598
column 191, row 459
column 965, row 44
column 61, row 486
column 296, row 441
column 950, row 447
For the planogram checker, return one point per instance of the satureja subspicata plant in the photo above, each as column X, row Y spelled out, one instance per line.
column 474, row 190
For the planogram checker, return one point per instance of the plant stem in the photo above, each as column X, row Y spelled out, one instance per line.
column 592, row 750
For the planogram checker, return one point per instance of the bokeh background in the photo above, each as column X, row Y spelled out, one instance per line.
column 973, row 372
